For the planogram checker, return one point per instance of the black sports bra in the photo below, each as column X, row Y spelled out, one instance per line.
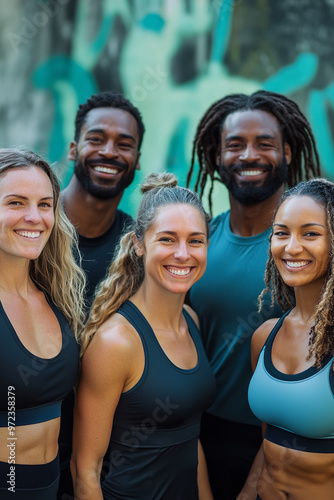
column 32, row 388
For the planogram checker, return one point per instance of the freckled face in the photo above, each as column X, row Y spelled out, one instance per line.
column 174, row 250
column 26, row 212
column 300, row 242
column 106, row 155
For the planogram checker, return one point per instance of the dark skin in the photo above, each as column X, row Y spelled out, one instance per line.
column 248, row 137
column 252, row 138
column 107, row 134
column 90, row 216
column 300, row 236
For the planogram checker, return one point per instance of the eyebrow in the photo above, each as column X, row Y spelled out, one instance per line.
column 25, row 197
column 102, row 131
column 174, row 233
column 304, row 225
column 240, row 137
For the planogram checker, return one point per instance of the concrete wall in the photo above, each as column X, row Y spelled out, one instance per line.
column 171, row 58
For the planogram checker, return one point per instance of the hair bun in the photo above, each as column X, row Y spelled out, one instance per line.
column 162, row 180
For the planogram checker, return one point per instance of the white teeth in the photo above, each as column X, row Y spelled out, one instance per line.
column 179, row 272
column 106, row 170
column 251, row 172
column 29, row 234
column 296, row 264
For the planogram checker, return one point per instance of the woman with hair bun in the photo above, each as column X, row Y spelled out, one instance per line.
column 145, row 379
column 292, row 389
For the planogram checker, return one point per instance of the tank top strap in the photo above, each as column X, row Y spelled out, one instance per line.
column 144, row 329
column 138, row 321
column 193, row 329
column 271, row 337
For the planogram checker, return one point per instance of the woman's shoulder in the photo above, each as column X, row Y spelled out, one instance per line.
column 260, row 336
column 111, row 359
column 263, row 331
column 115, row 342
column 116, row 333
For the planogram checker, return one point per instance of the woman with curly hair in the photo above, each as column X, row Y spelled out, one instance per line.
column 40, row 314
column 145, row 379
column 292, row 387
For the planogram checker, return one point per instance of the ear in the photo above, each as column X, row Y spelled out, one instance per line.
column 73, row 151
column 218, row 156
column 287, row 153
column 138, row 246
column 137, row 167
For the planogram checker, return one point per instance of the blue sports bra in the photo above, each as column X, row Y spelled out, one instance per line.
column 298, row 409
column 32, row 388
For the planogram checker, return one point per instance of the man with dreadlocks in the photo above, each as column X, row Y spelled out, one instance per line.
column 255, row 145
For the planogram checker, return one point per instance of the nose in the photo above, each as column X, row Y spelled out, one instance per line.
column 33, row 215
column 108, row 149
column 181, row 251
column 249, row 154
column 293, row 245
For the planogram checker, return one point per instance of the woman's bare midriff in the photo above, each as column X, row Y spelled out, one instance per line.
column 295, row 474
column 30, row 444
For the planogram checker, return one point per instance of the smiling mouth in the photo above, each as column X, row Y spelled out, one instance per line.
column 250, row 173
column 178, row 271
column 106, row 170
column 29, row 234
column 296, row 264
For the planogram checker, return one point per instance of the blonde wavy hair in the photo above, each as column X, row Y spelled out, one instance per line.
column 126, row 273
column 55, row 270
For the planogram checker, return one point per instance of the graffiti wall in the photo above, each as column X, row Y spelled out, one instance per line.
column 171, row 58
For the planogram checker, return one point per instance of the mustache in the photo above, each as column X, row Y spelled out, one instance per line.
column 106, row 161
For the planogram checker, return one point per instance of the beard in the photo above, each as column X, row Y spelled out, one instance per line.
column 100, row 191
column 248, row 193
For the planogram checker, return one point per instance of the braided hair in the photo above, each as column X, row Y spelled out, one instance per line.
column 321, row 334
column 295, row 128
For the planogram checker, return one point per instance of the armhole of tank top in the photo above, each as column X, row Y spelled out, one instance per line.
column 122, row 310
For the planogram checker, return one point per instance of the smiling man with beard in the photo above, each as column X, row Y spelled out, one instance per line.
column 106, row 149
column 108, row 135
column 255, row 145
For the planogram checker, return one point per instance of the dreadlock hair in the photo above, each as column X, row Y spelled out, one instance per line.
column 108, row 100
column 126, row 272
column 321, row 334
column 295, row 128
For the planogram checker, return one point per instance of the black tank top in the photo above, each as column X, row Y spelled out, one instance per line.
column 31, row 386
column 156, row 424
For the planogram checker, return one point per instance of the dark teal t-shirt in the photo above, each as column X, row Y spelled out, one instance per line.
column 225, row 299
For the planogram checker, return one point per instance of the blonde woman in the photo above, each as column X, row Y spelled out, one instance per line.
column 145, row 379
column 40, row 303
